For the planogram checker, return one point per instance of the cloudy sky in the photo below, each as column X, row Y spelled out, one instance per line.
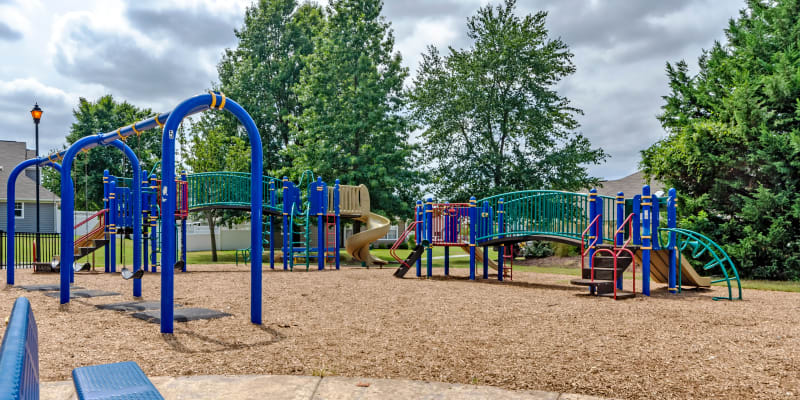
column 156, row 53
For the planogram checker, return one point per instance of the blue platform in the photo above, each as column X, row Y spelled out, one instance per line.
column 123, row 380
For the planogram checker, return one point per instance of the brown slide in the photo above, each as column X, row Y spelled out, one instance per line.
column 659, row 269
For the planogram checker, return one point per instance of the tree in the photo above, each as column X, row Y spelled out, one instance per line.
column 493, row 121
column 215, row 149
column 352, row 126
column 261, row 72
column 732, row 148
column 91, row 118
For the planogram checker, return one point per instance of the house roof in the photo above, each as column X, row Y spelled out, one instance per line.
column 11, row 154
column 630, row 185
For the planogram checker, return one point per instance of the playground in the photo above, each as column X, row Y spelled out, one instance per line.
column 535, row 332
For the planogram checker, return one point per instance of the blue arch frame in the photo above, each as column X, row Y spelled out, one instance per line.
column 213, row 100
column 11, row 195
column 68, row 206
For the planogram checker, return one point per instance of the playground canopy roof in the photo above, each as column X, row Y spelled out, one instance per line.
column 630, row 185
column 11, row 154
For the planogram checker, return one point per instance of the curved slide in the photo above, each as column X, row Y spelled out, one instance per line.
column 358, row 244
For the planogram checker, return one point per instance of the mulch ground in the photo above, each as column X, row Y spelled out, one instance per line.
column 536, row 332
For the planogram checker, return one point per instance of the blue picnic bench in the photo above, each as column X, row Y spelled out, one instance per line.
column 19, row 362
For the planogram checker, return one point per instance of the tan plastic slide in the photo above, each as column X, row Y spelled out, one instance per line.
column 659, row 269
column 354, row 201
column 358, row 244
column 479, row 256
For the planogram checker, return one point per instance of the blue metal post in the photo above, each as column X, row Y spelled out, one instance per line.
column 321, row 211
column 184, row 178
column 429, row 234
column 485, row 232
column 145, row 183
column 337, row 213
column 187, row 107
column 448, row 225
column 473, row 213
column 672, row 222
column 418, row 215
column 287, row 235
column 500, row 229
column 272, row 225
column 654, row 217
column 112, row 224
column 106, row 229
column 154, row 222
column 637, row 225
column 646, row 239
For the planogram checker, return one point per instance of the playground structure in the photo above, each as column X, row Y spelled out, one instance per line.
column 612, row 233
column 250, row 191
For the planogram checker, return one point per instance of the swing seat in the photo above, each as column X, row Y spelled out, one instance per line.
column 81, row 267
column 128, row 274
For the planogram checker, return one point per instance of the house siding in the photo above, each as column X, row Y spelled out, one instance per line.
column 28, row 224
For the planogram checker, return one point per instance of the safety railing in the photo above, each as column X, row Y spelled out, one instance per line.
column 591, row 244
column 231, row 189
column 701, row 245
column 449, row 224
column 617, row 250
column 402, row 239
column 545, row 212
column 100, row 217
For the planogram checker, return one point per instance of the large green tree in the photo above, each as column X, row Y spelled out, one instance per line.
column 352, row 126
column 733, row 140
column 101, row 116
column 263, row 69
column 493, row 121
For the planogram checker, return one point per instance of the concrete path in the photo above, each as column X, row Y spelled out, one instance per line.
column 314, row 388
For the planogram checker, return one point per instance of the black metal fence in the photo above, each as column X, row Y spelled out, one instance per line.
column 49, row 247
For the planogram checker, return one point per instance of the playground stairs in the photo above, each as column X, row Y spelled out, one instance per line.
column 508, row 262
column 603, row 282
column 300, row 239
column 409, row 261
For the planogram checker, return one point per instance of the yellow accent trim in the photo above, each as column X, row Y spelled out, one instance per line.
column 49, row 159
column 222, row 103
column 472, row 245
column 647, row 248
column 85, row 151
column 430, row 211
column 119, row 134
column 591, row 199
column 319, row 188
column 620, row 197
column 160, row 125
column 285, row 213
column 646, row 237
column 501, row 212
column 646, row 204
column 213, row 99
column 133, row 126
column 60, row 158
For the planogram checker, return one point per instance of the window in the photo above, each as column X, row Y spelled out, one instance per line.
column 392, row 234
column 19, row 210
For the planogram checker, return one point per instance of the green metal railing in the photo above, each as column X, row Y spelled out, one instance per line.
column 701, row 245
column 301, row 218
column 208, row 189
column 547, row 212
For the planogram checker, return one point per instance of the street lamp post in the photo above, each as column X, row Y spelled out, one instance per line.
column 36, row 113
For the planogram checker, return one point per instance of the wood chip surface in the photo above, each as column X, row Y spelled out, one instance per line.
column 536, row 332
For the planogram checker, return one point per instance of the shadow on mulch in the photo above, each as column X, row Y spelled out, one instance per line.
column 175, row 343
column 506, row 282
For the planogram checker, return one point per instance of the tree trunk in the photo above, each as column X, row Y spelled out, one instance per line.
column 211, row 219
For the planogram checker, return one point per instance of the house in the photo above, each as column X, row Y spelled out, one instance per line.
column 630, row 185
column 11, row 154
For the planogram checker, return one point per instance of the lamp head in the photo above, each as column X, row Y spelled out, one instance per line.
column 36, row 113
